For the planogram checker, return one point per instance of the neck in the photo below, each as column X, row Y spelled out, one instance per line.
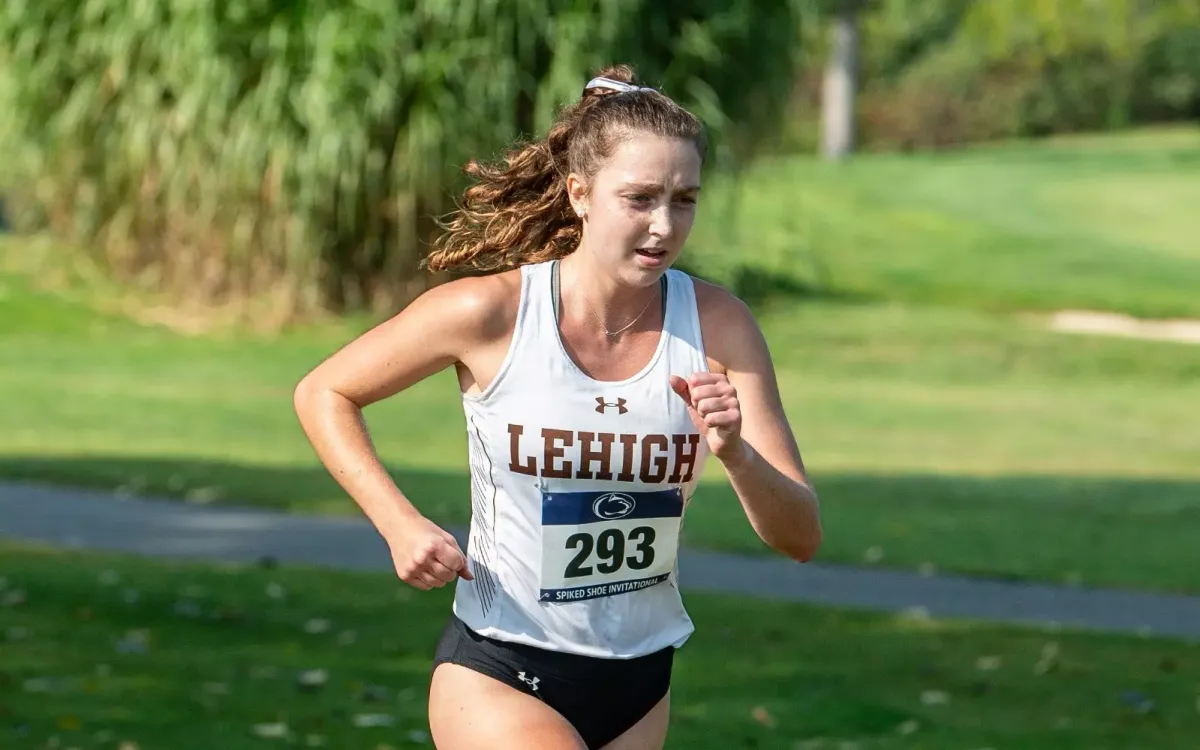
column 590, row 292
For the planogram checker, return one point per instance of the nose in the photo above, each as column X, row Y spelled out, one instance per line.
column 661, row 222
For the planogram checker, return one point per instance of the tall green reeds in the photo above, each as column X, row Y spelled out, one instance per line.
column 218, row 149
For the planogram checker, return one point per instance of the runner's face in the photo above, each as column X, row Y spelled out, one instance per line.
column 641, row 206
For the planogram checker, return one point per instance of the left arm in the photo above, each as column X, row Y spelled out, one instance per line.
column 738, row 409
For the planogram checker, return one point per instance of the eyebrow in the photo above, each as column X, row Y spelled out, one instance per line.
column 654, row 187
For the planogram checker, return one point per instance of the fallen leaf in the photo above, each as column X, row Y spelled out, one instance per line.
column 271, row 731
column 988, row 663
column 934, row 698
column 202, row 495
column 762, row 716
column 1049, row 659
column 312, row 678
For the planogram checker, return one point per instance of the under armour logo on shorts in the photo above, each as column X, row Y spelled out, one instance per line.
column 531, row 682
column 601, row 405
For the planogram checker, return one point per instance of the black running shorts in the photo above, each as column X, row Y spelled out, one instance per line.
column 601, row 698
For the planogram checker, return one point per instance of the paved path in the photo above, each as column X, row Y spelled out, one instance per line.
column 176, row 529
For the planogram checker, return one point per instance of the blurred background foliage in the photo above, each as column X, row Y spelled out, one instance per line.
column 300, row 151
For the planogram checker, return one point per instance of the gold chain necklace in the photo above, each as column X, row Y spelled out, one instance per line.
column 627, row 325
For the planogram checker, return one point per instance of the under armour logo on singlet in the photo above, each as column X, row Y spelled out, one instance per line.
column 601, row 405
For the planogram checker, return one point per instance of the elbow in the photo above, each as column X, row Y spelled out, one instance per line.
column 303, row 395
column 308, row 397
column 802, row 547
column 800, row 539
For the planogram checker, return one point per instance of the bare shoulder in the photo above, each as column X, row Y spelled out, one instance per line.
column 482, row 306
column 732, row 337
column 460, row 320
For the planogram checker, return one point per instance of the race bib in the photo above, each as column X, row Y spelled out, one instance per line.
column 605, row 543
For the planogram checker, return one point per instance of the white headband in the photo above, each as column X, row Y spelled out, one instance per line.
column 621, row 86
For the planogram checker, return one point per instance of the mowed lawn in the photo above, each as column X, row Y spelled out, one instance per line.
column 953, row 436
column 99, row 651
column 1105, row 222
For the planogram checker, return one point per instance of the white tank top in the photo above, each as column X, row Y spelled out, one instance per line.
column 579, row 486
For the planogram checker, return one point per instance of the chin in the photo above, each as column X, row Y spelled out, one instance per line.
column 636, row 275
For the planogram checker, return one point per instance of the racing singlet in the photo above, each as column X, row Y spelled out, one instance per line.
column 579, row 488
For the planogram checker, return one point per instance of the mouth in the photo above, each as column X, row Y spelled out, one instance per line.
column 651, row 252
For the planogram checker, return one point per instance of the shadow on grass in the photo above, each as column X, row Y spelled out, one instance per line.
column 1099, row 531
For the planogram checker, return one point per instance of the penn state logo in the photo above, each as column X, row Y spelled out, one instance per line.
column 613, row 505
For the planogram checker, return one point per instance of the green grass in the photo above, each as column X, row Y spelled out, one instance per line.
column 1087, row 222
column 973, row 443
column 104, row 650
column 955, row 436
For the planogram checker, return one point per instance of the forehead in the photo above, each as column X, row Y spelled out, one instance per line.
column 646, row 158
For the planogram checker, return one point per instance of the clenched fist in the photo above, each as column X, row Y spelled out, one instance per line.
column 427, row 556
column 712, row 403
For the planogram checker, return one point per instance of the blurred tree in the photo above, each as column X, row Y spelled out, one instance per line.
column 933, row 73
column 841, row 80
column 223, row 149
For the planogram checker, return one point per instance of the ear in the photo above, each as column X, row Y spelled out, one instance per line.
column 577, row 191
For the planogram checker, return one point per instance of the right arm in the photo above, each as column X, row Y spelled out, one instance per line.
column 459, row 321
